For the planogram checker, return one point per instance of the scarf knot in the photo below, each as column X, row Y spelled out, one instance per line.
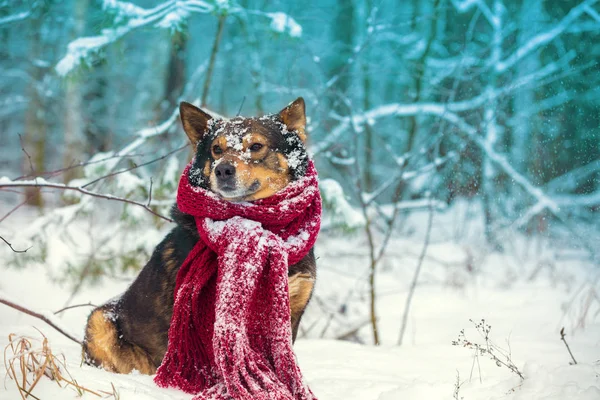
column 230, row 334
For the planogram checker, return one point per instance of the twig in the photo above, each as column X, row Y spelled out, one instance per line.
column 375, row 255
column 121, row 171
column 413, row 284
column 149, row 194
column 562, row 337
column 370, row 238
column 74, row 306
column 27, row 154
column 457, row 386
column 12, row 248
column 39, row 316
column 326, row 327
column 353, row 331
column 21, row 204
column 79, row 164
column 241, row 105
column 475, row 359
column 80, row 189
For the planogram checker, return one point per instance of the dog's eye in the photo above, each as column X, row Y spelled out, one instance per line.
column 217, row 149
column 256, row 147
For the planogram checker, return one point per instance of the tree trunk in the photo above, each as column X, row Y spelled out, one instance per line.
column 492, row 129
column 420, row 68
column 74, row 137
column 344, row 23
column 176, row 71
column 256, row 71
column 34, row 134
column 531, row 12
column 369, row 147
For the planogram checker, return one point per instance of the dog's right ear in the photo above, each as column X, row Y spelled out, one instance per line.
column 194, row 120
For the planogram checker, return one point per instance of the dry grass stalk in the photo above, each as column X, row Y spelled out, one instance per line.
column 500, row 356
column 26, row 364
column 457, row 386
column 562, row 337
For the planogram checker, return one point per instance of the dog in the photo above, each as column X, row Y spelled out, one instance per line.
column 242, row 159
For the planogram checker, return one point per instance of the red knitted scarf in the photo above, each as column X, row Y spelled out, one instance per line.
column 230, row 335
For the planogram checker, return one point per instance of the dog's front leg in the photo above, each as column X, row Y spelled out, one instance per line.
column 300, row 286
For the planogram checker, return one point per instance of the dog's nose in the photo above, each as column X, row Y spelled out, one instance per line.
column 225, row 172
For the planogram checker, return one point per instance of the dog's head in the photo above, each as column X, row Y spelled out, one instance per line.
column 246, row 159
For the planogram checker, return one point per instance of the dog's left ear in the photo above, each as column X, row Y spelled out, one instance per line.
column 294, row 116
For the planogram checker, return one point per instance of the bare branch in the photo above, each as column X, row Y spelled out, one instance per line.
column 46, row 317
column 149, row 194
column 135, row 166
column 143, row 135
column 351, row 332
column 42, row 183
column 368, row 227
column 27, row 154
column 12, row 248
column 76, row 164
column 413, row 285
column 21, row 204
column 562, row 337
column 74, row 306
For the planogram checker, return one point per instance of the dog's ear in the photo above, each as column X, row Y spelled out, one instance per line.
column 194, row 120
column 294, row 116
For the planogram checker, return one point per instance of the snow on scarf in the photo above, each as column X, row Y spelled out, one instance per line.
column 230, row 335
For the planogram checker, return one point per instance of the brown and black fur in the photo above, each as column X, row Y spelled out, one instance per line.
column 131, row 332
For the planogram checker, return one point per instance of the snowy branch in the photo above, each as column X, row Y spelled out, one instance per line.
column 579, row 200
column 536, row 41
column 368, row 198
column 167, row 15
column 569, row 181
column 47, row 317
column 544, row 37
column 442, row 112
column 565, row 183
column 415, row 279
column 13, row 18
column 592, row 13
column 143, row 135
column 454, row 107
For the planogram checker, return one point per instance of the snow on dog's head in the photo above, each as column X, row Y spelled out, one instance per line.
column 246, row 159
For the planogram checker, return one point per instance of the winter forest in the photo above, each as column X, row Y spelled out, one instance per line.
column 458, row 149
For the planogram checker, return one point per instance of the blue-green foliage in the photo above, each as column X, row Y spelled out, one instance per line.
column 521, row 76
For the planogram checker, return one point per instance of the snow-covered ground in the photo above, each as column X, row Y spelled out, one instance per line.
column 526, row 295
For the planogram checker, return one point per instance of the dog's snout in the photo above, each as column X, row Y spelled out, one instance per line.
column 225, row 172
